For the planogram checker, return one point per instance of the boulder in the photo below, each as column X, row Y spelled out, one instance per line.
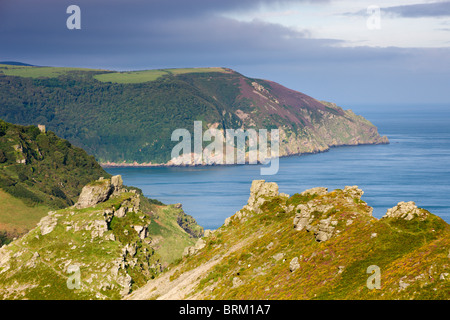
column 237, row 282
column 94, row 193
column 294, row 264
column 199, row 245
column 117, row 183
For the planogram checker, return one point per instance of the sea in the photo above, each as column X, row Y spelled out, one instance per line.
column 415, row 166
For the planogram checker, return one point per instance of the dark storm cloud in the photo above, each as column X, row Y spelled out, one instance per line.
column 134, row 34
column 188, row 32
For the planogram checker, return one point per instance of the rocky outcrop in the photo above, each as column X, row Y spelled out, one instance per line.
column 321, row 191
column 257, row 255
column 94, row 193
column 260, row 191
column 99, row 191
column 109, row 242
column 406, row 211
column 314, row 216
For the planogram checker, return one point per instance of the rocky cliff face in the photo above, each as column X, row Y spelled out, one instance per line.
column 313, row 245
column 99, row 248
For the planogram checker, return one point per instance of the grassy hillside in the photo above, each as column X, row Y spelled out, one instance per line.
column 16, row 217
column 130, row 116
column 313, row 245
column 117, row 244
column 38, row 172
column 168, row 238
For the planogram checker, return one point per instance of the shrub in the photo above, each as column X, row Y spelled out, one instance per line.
column 57, row 192
column 3, row 127
column 2, row 157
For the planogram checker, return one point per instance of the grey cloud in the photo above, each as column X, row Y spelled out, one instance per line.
column 435, row 9
column 421, row 10
column 162, row 34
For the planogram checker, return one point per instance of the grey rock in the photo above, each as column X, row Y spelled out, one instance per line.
column 304, row 217
column 278, row 256
column 125, row 283
column 142, row 231
column 353, row 191
column 117, row 183
column 48, row 223
column 178, row 206
column 237, row 282
column 200, row 244
column 98, row 227
column 444, row 276
column 294, row 264
column 407, row 211
column 94, row 193
column 321, row 191
column 403, row 285
column 259, row 191
column 121, row 212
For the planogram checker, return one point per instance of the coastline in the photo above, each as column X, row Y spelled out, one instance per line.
column 135, row 164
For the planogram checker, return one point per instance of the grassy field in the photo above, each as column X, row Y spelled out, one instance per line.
column 37, row 72
column 194, row 70
column 17, row 216
column 149, row 75
column 131, row 77
column 116, row 77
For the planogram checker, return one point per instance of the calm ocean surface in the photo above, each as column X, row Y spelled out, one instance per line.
column 413, row 167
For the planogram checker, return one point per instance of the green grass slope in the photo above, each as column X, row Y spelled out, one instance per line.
column 169, row 238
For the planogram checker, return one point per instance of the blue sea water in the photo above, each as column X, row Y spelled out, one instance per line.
column 413, row 167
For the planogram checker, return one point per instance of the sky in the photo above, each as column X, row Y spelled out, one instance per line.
column 357, row 52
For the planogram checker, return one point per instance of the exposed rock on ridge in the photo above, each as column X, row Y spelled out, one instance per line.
column 105, row 235
column 312, row 245
column 99, row 191
column 407, row 211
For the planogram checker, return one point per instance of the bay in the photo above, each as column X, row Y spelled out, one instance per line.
column 413, row 167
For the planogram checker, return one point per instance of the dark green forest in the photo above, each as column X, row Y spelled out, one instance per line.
column 120, row 122
column 41, row 168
